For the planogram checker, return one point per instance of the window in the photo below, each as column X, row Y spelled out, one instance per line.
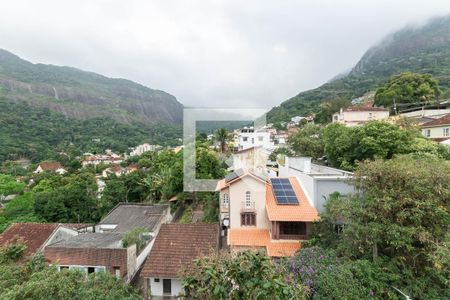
column 245, row 139
column 117, row 272
column 338, row 228
column 370, row 115
column 248, row 219
column 248, row 199
column 63, row 268
column 99, row 269
column 253, row 140
column 447, row 131
column 260, row 138
column 156, row 280
column 90, row 270
column 226, row 200
column 427, row 132
column 293, row 228
column 335, row 118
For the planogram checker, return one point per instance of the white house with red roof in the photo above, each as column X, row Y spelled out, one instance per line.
column 438, row 129
column 357, row 115
column 51, row 167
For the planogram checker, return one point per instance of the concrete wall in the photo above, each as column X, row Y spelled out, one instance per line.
column 258, row 195
column 156, row 288
column 325, row 187
column 427, row 113
column 109, row 258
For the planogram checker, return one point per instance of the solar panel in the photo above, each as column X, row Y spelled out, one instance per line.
column 283, row 191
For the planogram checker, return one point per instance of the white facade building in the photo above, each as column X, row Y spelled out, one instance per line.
column 250, row 137
column 141, row 149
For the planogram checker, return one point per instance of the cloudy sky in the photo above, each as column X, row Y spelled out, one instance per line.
column 209, row 53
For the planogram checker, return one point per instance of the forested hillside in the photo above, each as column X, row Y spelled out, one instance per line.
column 46, row 110
column 423, row 49
column 39, row 133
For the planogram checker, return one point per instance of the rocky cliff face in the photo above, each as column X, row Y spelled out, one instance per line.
column 81, row 94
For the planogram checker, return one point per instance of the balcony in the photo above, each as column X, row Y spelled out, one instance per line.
column 293, row 237
column 248, row 206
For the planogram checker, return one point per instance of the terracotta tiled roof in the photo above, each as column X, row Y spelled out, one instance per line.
column 177, row 245
column 282, row 249
column 34, row 235
column 251, row 237
column 261, row 238
column 445, row 120
column 303, row 212
column 50, row 166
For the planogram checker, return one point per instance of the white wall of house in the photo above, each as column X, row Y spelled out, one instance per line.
column 248, row 139
column 238, row 191
column 354, row 118
column 156, row 288
column 436, row 132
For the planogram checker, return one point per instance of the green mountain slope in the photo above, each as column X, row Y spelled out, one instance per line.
column 423, row 49
column 46, row 110
column 84, row 95
column 39, row 133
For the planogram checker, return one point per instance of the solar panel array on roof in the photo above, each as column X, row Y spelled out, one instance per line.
column 283, row 191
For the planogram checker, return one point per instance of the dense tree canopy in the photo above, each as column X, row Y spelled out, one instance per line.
column 400, row 220
column 408, row 87
column 247, row 275
column 308, row 141
column 345, row 146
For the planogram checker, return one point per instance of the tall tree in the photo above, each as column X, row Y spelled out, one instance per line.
column 408, row 87
column 222, row 137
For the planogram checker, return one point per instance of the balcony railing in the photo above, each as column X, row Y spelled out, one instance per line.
column 248, row 206
column 293, row 236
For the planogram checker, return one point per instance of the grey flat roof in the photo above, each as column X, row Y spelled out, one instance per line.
column 129, row 216
column 91, row 240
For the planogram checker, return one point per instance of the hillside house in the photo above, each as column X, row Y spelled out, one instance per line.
column 176, row 246
column 358, row 115
column 50, row 167
column 438, row 129
column 141, row 149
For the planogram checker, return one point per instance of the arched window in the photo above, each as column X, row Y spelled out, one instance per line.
column 248, row 199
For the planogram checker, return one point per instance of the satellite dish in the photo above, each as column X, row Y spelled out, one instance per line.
column 226, row 222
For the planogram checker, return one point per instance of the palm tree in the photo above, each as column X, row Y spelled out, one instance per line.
column 222, row 138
